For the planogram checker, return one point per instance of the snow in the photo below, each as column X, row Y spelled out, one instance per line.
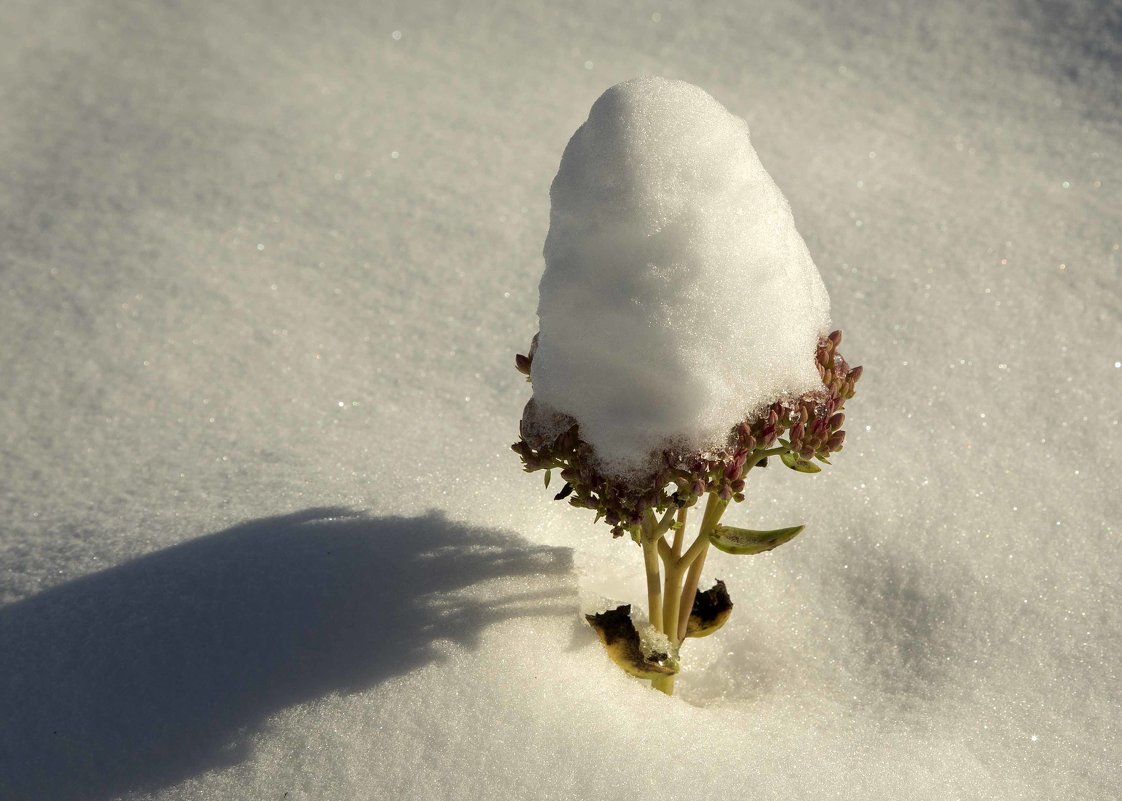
column 261, row 531
column 677, row 298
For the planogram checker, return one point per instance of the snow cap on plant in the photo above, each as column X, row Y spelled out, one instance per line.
column 677, row 297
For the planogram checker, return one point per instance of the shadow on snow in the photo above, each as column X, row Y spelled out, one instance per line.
column 162, row 668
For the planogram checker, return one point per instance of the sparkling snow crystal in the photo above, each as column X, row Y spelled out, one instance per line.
column 677, row 296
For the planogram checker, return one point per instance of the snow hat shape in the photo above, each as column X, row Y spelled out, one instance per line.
column 677, row 298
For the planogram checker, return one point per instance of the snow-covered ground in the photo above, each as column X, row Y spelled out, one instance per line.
column 263, row 270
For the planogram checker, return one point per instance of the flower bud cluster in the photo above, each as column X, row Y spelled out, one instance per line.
column 812, row 424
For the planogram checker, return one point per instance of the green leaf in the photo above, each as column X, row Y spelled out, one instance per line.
column 548, row 476
column 796, row 462
column 747, row 541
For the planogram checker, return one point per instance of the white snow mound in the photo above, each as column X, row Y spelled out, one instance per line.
column 677, row 296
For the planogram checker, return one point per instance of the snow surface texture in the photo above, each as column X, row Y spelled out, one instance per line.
column 260, row 261
column 678, row 297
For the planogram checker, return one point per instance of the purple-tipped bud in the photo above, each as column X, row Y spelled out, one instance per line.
column 836, row 421
column 698, row 487
column 726, row 493
column 835, row 337
column 806, row 451
column 522, row 363
column 738, row 485
column 836, row 440
column 855, row 373
column 797, row 432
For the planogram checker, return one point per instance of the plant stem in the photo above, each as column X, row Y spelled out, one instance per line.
column 761, row 455
column 670, row 608
column 714, row 508
column 672, row 596
column 654, row 579
column 680, row 532
column 689, row 592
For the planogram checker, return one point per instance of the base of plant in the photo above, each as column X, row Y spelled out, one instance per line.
column 675, row 607
column 626, row 647
column 653, row 508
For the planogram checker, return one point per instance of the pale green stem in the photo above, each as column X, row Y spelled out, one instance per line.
column 761, row 455
column 672, row 596
column 689, row 592
column 680, row 532
column 650, row 562
column 677, row 603
column 695, row 558
column 714, row 508
column 664, row 524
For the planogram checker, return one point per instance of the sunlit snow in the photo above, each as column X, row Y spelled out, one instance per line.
column 264, row 268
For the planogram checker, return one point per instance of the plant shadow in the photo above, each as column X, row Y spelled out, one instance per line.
column 162, row 668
